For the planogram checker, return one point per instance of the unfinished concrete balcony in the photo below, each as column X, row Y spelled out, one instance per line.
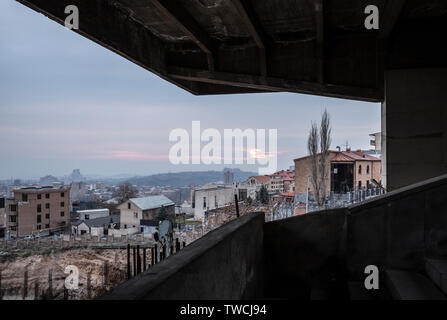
column 320, row 255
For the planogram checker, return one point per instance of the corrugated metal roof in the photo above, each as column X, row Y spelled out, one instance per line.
column 151, row 202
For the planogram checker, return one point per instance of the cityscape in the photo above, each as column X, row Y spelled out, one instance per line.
column 226, row 157
column 95, row 217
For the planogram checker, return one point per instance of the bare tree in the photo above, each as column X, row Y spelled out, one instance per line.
column 318, row 145
column 125, row 191
column 312, row 147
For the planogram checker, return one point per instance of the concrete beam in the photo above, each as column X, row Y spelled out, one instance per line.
column 172, row 10
column 254, row 27
column 275, row 84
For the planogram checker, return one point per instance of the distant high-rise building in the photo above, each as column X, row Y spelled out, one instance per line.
column 47, row 180
column 76, row 176
column 376, row 142
column 228, row 177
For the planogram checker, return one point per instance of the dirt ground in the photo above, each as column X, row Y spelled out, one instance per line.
column 38, row 267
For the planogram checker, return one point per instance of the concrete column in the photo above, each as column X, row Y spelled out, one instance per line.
column 414, row 126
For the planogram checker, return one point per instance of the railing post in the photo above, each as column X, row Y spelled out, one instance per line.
column 106, row 273
column 138, row 260
column 25, row 284
column 144, row 259
column 50, row 284
column 152, row 257
column 36, row 290
column 128, row 261
column 134, row 261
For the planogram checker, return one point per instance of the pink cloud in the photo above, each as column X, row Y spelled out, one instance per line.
column 131, row 155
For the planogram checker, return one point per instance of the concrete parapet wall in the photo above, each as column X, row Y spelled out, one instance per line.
column 399, row 229
column 298, row 251
column 227, row 263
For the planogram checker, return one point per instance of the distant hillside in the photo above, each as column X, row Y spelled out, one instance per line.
column 184, row 179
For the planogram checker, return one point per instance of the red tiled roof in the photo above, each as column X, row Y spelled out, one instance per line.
column 351, row 156
column 288, row 194
column 284, row 174
column 341, row 157
column 358, row 155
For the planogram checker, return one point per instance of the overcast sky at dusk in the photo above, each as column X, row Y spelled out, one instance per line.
column 66, row 102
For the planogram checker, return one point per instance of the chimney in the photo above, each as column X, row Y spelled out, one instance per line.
column 348, row 149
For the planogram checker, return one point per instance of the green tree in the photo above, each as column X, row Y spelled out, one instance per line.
column 249, row 200
column 162, row 214
column 263, row 195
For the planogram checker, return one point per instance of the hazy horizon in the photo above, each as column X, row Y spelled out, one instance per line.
column 68, row 103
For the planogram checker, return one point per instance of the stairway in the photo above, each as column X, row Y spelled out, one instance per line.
column 405, row 285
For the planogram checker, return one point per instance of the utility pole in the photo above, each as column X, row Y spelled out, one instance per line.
column 307, row 194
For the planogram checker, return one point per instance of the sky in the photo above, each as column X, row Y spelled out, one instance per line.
column 67, row 103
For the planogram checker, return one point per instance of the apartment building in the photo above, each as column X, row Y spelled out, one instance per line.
column 349, row 170
column 211, row 196
column 282, row 181
column 2, row 216
column 37, row 209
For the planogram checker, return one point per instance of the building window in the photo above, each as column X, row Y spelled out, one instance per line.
column 13, row 228
column 13, row 207
column 24, row 197
column 12, row 218
column 62, row 213
column 87, row 217
column 39, row 227
column 62, row 204
column 47, row 196
column 47, row 216
column 39, row 218
column 62, row 194
column 39, row 208
column 367, row 169
column 47, row 226
column 128, row 205
column 204, row 202
column 360, row 169
column 47, row 206
column 39, row 196
column 135, row 215
column 360, row 184
column 125, row 226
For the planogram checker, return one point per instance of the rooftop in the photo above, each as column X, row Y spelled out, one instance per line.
column 152, row 202
column 261, row 179
column 99, row 222
column 92, row 210
column 348, row 156
column 40, row 188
